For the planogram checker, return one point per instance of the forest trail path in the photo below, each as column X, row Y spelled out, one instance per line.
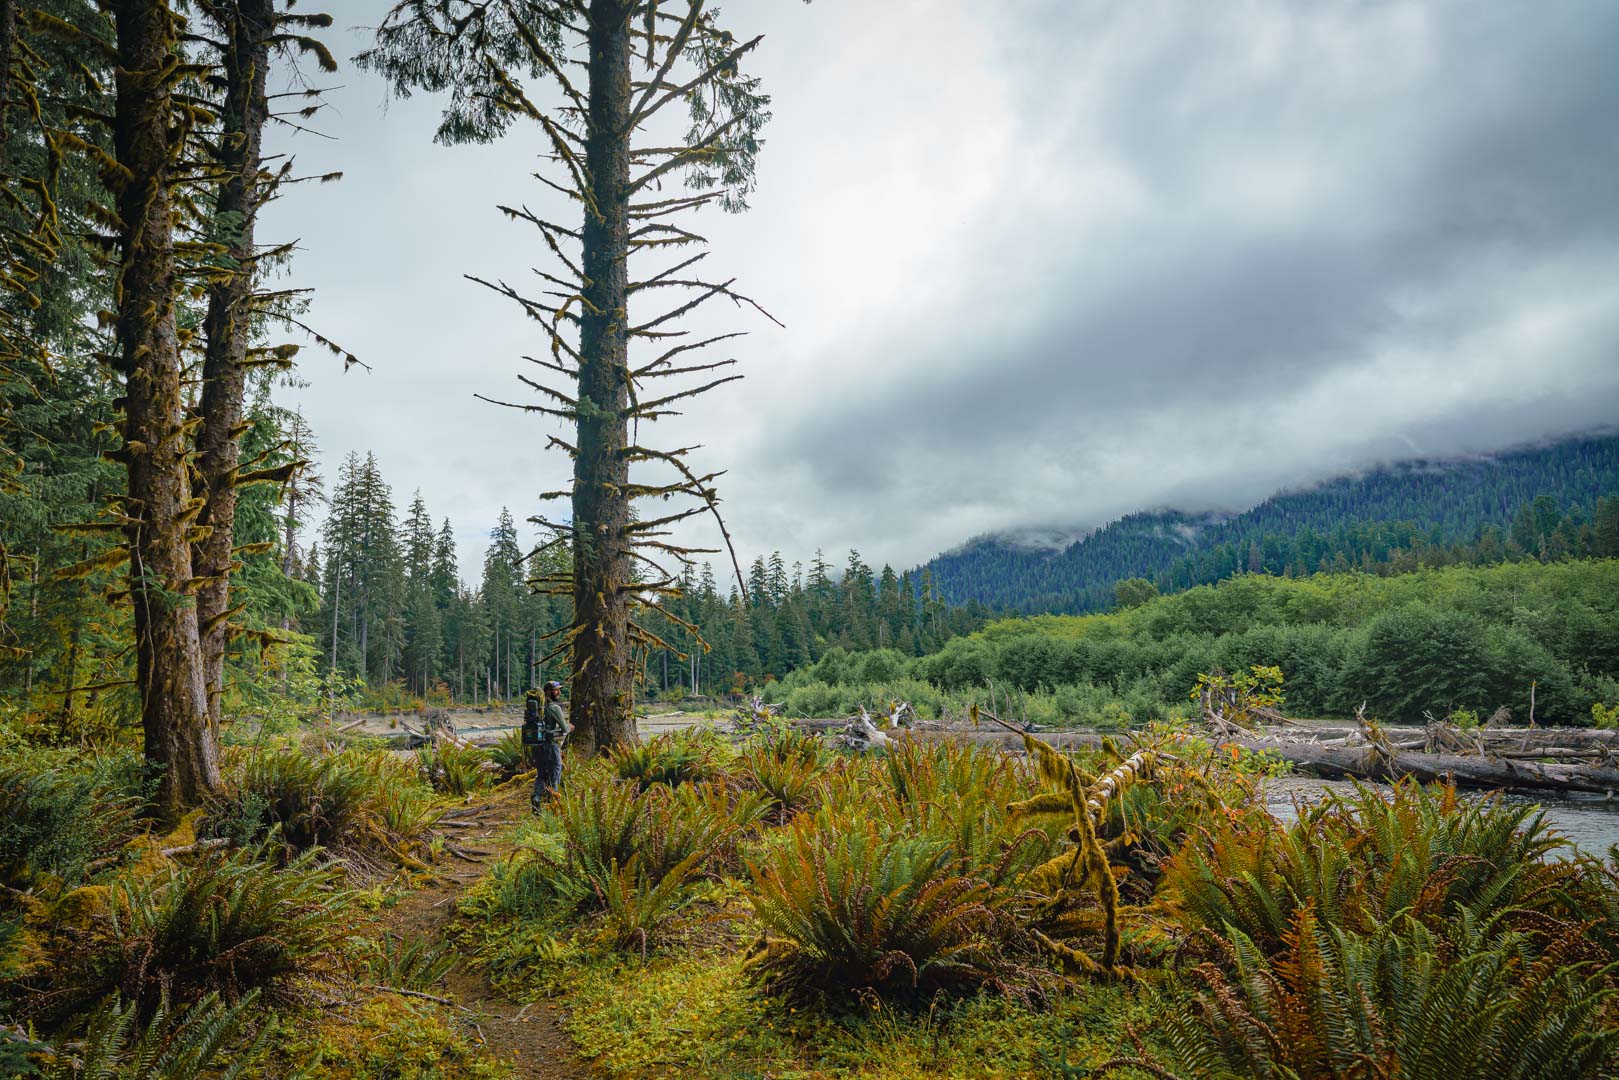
column 528, row 1037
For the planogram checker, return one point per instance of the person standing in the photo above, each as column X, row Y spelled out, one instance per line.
column 544, row 731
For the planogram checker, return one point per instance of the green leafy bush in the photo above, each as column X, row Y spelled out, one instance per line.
column 57, row 821
column 230, row 924
column 677, row 758
column 455, row 769
column 1358, row 861
column 787, row 767
column 407, row 963
column 354, row 799
column 1400, row 1001
column 847, row 904
column 509, row 753
column 631, row 855
column 186, row 1046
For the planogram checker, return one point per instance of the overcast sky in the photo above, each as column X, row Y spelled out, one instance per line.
column 1040, row 263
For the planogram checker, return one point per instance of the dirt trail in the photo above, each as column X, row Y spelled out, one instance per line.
column 530, row 1037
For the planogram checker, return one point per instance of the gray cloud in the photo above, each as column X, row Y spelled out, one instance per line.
column 1043, row 263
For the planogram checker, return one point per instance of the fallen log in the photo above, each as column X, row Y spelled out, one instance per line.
column 1359, row 762
column 1462, row 769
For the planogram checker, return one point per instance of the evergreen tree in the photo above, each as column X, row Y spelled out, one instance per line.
column 484, row 54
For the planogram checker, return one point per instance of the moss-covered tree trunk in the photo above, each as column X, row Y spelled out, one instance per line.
column 248, row 26
column 181, row 743
column 8, row 49
column 602, row 700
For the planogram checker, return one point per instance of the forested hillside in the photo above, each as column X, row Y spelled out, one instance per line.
column 1521, row 636
column 1350, row 521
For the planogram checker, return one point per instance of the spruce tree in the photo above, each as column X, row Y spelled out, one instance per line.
column 487, row 55
column 150, row 131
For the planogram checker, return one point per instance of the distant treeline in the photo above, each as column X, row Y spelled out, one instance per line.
column 1439, row 640
column 395, row 613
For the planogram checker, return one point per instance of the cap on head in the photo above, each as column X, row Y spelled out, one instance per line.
column 553, row 685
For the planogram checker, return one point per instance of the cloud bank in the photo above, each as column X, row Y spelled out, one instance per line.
column 1041, row 264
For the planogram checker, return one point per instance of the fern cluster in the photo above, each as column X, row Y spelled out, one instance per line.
column 1409, row 934
column 455, row 769
column 58, row 822
column 850, row 902
column 677, row 758
column 187, row 1045
column 787, row 766
column 630, row 855
column 348, row 801
column 1361, row 860
column 232, row 924
column 1403, row 1001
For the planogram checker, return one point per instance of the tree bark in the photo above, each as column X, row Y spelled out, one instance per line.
column 602, row 697
column 227, row 325
column 8, row 49
column 181, row 743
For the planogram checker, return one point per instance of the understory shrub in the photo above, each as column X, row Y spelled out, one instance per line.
column 509, row 754
column 850, row 903
column 415, row 963
column 230, row 924
column 1360, row 860
column 634, row 856
column 787, row 766
column 679, row 757
column 58, row 821
column 369, row 801
column 455, row 769
column 185, row 1046
column 1400, row 1001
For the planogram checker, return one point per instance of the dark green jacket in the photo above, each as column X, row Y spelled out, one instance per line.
column 553, row 724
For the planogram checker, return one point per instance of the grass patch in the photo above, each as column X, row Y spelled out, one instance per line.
column 697, row 1013
column 389, row 1037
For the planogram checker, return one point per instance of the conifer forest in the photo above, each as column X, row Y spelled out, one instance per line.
column 1049, row 541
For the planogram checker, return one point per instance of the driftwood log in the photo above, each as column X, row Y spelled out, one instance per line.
column 1368, row 763
column 1467, row 770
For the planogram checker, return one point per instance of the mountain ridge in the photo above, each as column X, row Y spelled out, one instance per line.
column 1443, row 498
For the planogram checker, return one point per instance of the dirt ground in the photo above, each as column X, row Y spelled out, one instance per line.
column 530, row 1037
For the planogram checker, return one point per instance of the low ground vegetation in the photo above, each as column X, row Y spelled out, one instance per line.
column 233, row 944
column 769, row 905
column 1123, row 911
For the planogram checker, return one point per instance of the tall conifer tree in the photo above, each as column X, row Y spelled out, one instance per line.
column 487, row 53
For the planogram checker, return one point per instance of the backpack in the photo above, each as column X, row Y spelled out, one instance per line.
column 531, row 720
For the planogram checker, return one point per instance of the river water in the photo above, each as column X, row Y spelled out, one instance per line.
column 1590, row 821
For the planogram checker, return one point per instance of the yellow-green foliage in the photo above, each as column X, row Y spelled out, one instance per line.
column 938, row 866
column 388, row 1037
column 366, row 800
column 509, row 753
column 455, row 769
column 697, row 1014
column 1359, row 861
column 632, row 856
column 1463, row 1003
column 56, row 820
column 787, row 766
column 849, row 902
column 228, row 923
column 183, row 1045
column 677, row 758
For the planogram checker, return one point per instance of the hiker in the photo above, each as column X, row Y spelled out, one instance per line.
column 544, row 729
